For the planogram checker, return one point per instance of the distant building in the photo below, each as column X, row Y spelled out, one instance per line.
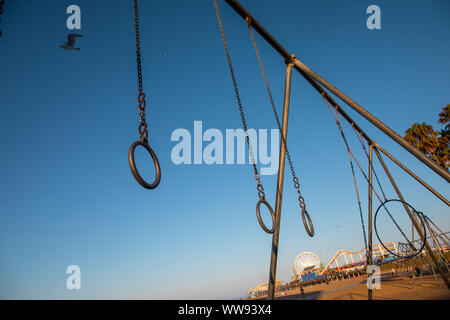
column 261, row 289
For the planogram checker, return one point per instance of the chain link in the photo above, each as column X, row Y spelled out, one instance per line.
column 360, row 138
column 351, row 155
column 143, row 132
column 338, row 123
column 257, row 176
column 301, row 200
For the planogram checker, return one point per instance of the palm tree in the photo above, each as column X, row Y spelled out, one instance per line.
column 444, row 149
column 435, row 145
column 425, row 138
column 444, row 117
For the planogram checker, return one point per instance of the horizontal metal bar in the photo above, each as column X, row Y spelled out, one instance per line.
column 372, row 142
column 375, row 121
column 321, row 90
column 312, row 77
column 259, row 28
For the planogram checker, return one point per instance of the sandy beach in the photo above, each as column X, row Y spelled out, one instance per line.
column 392, row 288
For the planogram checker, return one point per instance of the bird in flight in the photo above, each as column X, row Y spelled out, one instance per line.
column 69, row 45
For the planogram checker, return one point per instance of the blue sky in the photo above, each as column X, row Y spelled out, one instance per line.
column 67, row 119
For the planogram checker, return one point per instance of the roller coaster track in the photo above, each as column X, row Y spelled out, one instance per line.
column 377, row 251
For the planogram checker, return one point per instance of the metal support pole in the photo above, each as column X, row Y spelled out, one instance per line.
column 276, row 234
column 313, row 78
column 442, row 233
column 445, row 242
column 236, row 6
column 375, row 121
column 437, row 245
column 401, row 165
column 369, row 253
column 414, row 221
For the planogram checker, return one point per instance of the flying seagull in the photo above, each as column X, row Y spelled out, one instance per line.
column 71, row 42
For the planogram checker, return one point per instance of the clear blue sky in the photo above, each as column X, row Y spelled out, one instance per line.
column 67, row 119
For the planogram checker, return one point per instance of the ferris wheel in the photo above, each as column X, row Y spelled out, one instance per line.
column 306, row 261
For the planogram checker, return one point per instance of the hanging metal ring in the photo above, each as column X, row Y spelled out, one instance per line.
column 308, row 226
column 258, row 215
column 421, row 218
column 134, row 170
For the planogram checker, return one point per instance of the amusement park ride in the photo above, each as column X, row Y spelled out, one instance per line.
column 377, row 251
column 382, row 253
column 307, row 263
column 419, row 220
column 308, row 269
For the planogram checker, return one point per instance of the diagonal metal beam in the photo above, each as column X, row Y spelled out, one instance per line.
column 313, row 78
column 413, row 220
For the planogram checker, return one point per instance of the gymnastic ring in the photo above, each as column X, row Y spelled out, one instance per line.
column 309, row 229
column 258, row 215
column 419, row 214
column 134, row 170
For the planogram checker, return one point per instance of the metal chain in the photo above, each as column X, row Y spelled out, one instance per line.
column 336, row 118
column 360, row 138
column 350, row 153
column 361, row 141
column 141, row 96
column 301, row 200
column 257, row 176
